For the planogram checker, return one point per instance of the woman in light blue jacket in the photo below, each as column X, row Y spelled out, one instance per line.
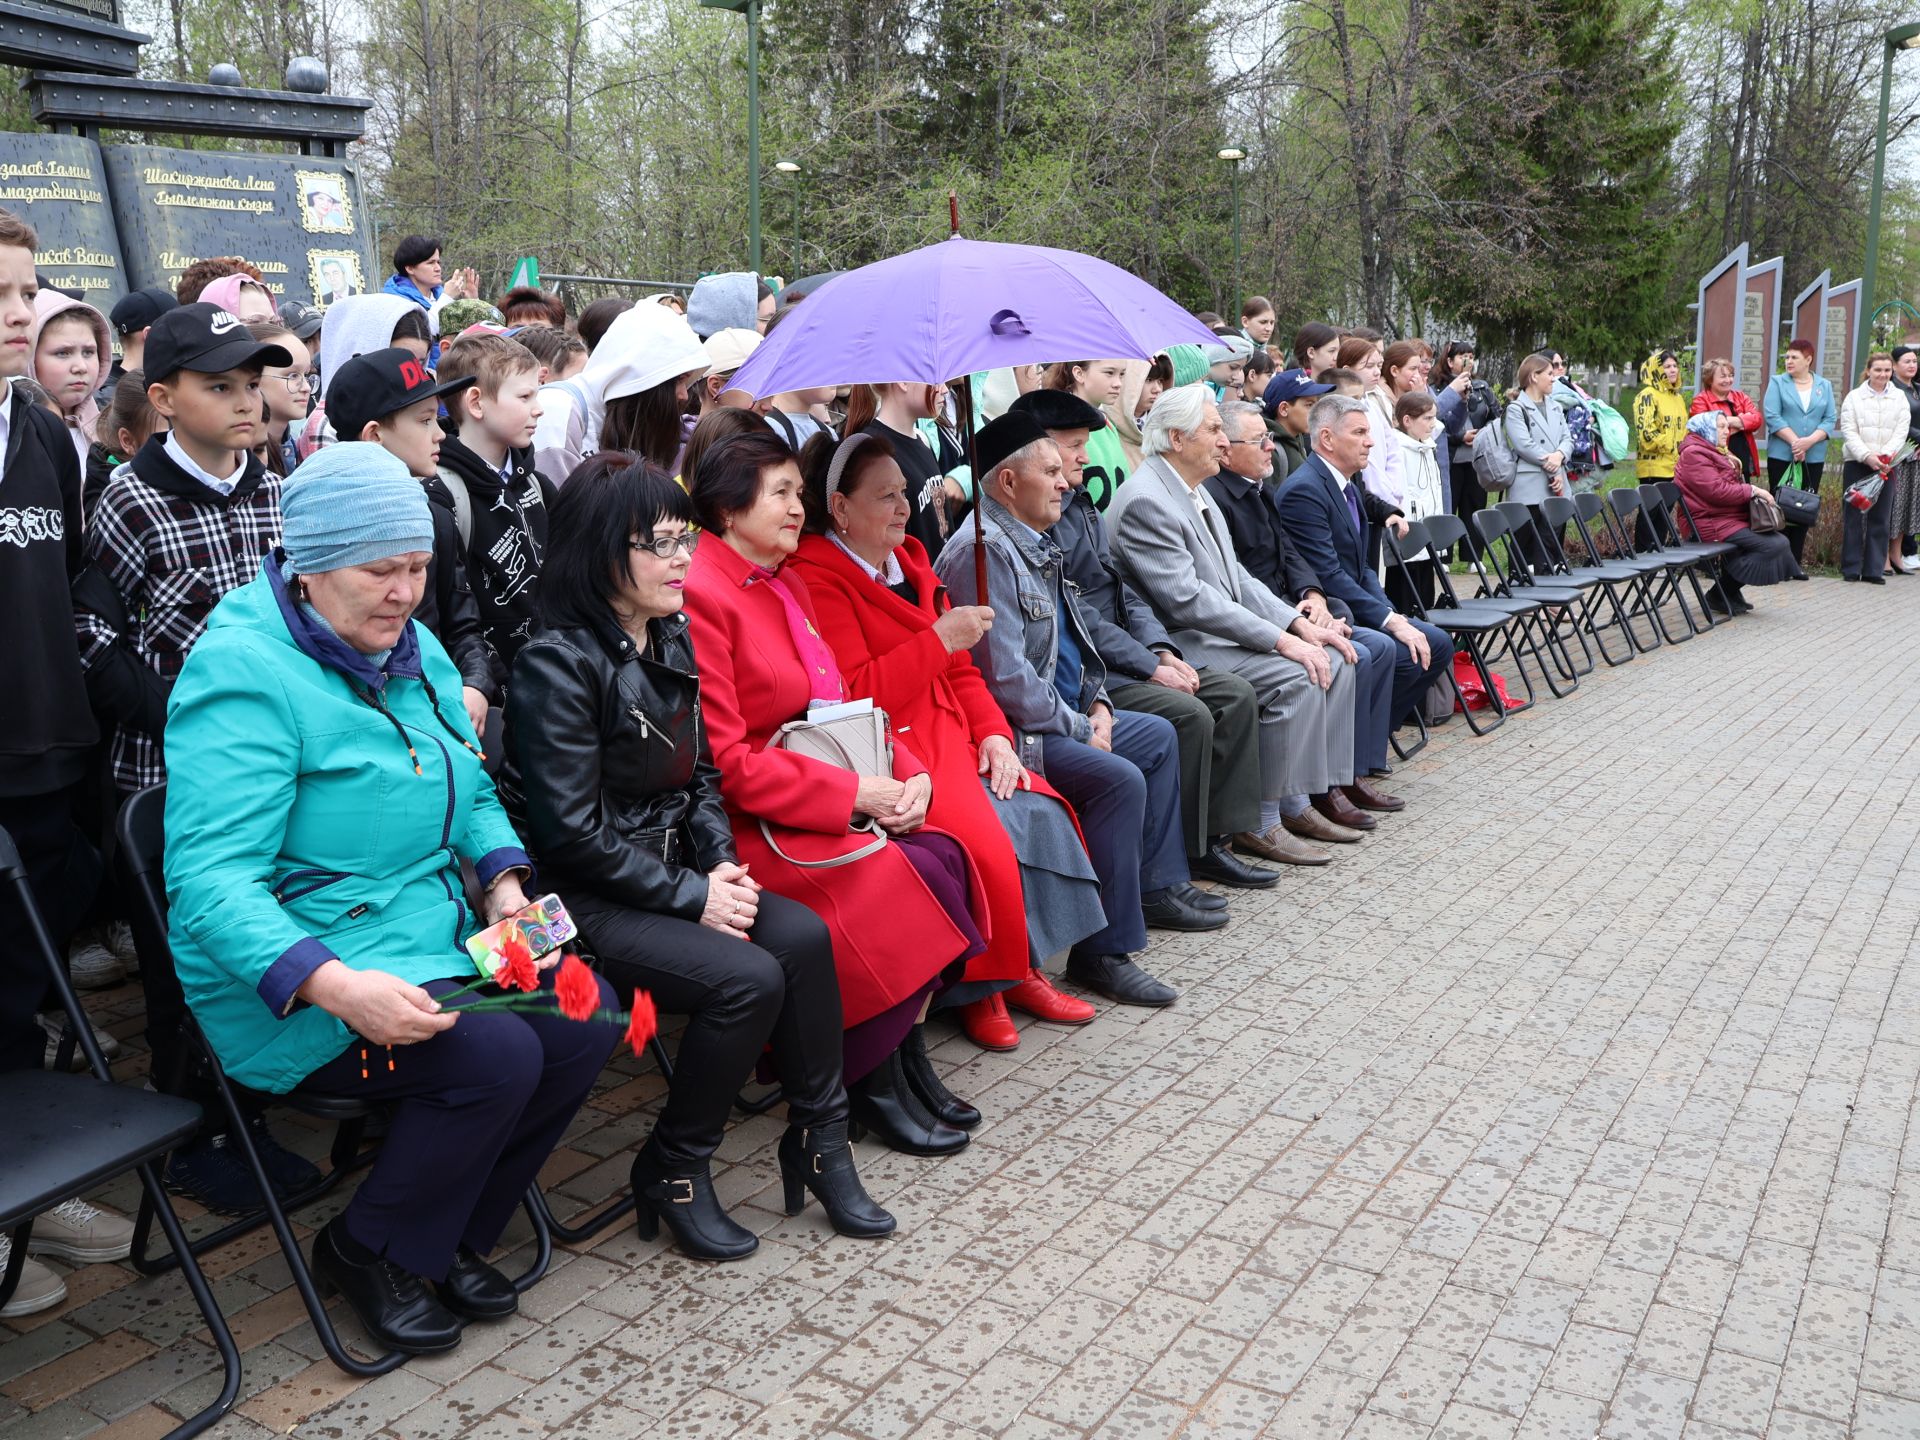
column 1800, row 417
column 1542, row 444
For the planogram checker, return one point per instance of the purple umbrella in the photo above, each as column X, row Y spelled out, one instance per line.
column 960, row 306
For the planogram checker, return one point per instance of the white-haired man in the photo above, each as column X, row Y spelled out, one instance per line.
column 1172, row 545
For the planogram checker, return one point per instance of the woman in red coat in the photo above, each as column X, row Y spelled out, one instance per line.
column 899, row 916
column 897, row 640
column 1717, row 396
column 1718, row 499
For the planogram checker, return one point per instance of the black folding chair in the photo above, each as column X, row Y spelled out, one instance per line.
column 68, row 1133
column 1640, row 572
column 1514, row 580
column 1676, row 509
column 1516, row 640
column 1592, row 576
column 1471, row 630
column 1630, row 517
column 139, row 831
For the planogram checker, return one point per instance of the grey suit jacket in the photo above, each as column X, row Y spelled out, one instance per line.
column 1186, row 568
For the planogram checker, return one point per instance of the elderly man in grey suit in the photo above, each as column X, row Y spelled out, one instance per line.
column 1173, row 546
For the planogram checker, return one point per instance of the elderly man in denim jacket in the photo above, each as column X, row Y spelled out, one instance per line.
column 1119, row 770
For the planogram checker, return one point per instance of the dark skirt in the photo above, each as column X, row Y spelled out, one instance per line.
column 1760, row 559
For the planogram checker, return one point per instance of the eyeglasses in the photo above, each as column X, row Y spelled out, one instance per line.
column 663, row 546
column 298, row 381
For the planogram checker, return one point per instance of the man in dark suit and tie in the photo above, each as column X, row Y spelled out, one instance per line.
column 1322, row 511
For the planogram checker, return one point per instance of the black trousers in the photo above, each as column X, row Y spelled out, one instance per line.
column 778, row 984
column 1218, row 731
column 1813, row 471
column 481, row 1106
column 64, row 873
column 1863, row 533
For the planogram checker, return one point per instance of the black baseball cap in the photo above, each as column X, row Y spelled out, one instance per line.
column 1290, row 385
column 1059, row 410
column 140, row 309
column 375, row 385
column 303, row 320
column 207, row 340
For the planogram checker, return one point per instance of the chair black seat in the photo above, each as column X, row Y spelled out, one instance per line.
column 1466, row 621
column 65, row 1134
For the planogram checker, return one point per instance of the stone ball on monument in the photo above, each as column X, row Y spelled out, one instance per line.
column 306, row 75
column 224, row 75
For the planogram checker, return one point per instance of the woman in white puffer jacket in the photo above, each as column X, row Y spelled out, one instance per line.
column 1873, row 427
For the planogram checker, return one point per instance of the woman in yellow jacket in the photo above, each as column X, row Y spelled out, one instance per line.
column 1659, row 417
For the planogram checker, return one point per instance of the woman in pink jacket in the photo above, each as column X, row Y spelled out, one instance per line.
column 1719, row 500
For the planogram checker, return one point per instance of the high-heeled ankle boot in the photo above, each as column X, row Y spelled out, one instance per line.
column 686, row 1202
column 884, row 1104
column 818, row 1158
column 941, row 1102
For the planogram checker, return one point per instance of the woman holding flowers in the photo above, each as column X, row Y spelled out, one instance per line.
column 324, row 784
column 609, row 774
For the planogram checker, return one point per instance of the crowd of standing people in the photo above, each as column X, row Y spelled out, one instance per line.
column 422, row 607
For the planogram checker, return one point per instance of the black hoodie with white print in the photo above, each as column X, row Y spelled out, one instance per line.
column 503, row 533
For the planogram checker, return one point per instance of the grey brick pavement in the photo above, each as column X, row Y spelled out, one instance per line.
column 1574, row 1103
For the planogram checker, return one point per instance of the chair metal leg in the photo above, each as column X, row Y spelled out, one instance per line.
column 535, row 1205
column 751, row 1106
column 586, row 1229
column 1407, row 752
column 209, row 1310
column 1486, row 680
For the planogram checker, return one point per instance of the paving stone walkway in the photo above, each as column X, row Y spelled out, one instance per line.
column 1576, row 1103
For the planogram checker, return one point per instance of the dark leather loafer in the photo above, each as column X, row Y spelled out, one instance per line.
column 1165, row 910
column 475, row 1290
column 1370, row 797
column 1119, row 979
column 1336, row 808
column 394, row 1305
column 1223, row 867
column 1200, row 899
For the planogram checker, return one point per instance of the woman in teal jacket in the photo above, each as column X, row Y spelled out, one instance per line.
column 324, row 784
column 1800, row 418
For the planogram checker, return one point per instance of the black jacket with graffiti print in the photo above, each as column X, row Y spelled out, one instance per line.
column 502, row 544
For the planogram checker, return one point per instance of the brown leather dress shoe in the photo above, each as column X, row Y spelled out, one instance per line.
column 1280, row 847
column 1312, row 825
column 1365, row 795
column 1335, row 807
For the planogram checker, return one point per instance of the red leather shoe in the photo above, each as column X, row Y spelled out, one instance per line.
column 1036, row 996
column 988, row 1025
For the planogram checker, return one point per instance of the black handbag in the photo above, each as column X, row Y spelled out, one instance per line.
column 1799, row 506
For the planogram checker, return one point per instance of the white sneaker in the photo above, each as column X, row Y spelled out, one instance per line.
column 93, row 966
column 82, row 1233
column 56, row 1023
column 120, row 942
column 1910, row 563
column 40, row 1288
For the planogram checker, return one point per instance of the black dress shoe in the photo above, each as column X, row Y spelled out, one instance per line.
column 818, row 1158
column 685, row 1200
column 474, row 1290
column 882, row 1104
column 1874, row 579
column 1223, row 867
column 1118, row 978
column 394, row 1305
column 1199, row 899
column 1165, row 910
column 940, row 1102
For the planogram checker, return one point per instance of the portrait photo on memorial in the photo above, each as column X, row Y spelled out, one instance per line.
column 325, row 206
column 335, row 274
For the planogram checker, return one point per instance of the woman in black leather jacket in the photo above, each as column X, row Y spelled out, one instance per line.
column 608, row 777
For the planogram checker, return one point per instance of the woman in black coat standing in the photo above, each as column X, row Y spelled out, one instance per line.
column 608, row 775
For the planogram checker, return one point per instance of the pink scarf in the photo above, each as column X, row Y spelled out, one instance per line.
column 823, row 673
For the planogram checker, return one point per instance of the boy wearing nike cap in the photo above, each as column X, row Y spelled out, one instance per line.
column 391, row 399
column 186, row 520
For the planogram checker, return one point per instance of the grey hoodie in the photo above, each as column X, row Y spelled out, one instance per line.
column 724, row 302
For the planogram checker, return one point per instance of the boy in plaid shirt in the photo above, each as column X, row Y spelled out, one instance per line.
column 186, row 520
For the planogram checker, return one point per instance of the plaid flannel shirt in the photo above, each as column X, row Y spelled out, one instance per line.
column 171, row 558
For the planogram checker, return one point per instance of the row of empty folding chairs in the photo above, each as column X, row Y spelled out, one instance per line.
column 1542, row 605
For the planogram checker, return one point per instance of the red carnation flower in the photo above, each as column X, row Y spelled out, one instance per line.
column 642, row 1023
column 515, row 970
column 575, row 989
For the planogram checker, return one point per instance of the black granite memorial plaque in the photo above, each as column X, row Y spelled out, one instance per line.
column 58, row 184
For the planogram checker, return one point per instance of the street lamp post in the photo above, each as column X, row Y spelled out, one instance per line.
column 750, row 9
column 1233, row 157
column 792, row 172
column 1901, row 37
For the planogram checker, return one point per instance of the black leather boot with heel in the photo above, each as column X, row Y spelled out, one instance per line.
column 691, row 1211
column 941, row 1102
column 884, row 1105
column 818, row 1158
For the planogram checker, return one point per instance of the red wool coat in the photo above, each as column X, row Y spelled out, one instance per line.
column 939, row 704
column 1717, row 496
column 890, row 936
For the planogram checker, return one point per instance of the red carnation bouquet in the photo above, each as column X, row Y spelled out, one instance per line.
column 576, row 994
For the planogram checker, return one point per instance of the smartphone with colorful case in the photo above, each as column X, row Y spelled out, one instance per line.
column 543, row 927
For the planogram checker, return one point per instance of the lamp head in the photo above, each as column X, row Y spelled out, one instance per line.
column 786, row 167
column 1232, row 153
column 1904, row 37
